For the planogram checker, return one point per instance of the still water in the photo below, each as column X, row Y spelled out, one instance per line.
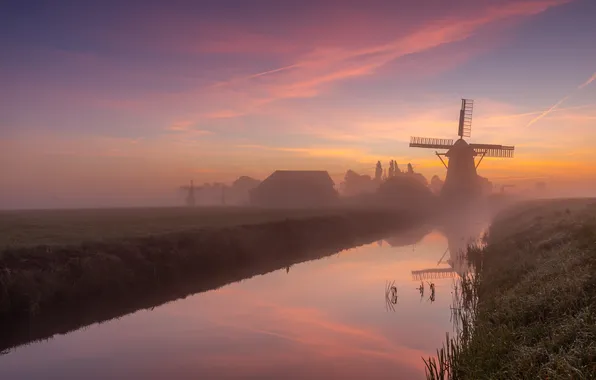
column 327, row 318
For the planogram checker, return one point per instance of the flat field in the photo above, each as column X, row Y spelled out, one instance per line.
column 60, row 227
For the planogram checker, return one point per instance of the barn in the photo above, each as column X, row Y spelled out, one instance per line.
column 295, row 189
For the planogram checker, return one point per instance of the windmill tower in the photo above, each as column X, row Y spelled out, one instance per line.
column 462, row 181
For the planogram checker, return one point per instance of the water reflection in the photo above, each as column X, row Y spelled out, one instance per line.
column 459, row 236
column 390, row 295
column 410, row 237
column 322, row 320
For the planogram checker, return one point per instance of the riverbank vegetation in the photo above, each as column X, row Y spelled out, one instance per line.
column 530, row 310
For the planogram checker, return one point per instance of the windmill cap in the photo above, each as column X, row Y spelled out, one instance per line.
column 460, row 146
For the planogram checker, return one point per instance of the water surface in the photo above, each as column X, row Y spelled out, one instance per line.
column 328, row 318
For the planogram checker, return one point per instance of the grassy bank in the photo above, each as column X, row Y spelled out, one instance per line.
column 60, row 227
column 53, row 289
column 534, row 314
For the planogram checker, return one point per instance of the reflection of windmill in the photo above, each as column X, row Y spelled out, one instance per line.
column 434, row 273
column 458, row 238
column 462, row 178
column 390, row 295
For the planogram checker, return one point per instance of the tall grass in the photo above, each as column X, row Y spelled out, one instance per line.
column 463, row 312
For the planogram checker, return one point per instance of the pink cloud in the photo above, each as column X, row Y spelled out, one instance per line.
column 351, row 24
column 352, row 44
column 309, row 74
column 224, row 114
column 183, row 125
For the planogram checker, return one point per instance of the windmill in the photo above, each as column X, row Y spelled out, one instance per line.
column 190, row 199
column 462, row 179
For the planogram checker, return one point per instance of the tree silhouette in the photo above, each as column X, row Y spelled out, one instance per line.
column 436, row 184
column 355, row 183
column 403, row 190
column 378, row 171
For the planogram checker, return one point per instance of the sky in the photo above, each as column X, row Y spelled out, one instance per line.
column 106, row 100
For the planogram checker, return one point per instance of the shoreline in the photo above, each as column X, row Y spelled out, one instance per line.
column 48, row 290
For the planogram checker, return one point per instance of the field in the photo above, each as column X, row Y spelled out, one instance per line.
column 60, row 227
column 532, row 313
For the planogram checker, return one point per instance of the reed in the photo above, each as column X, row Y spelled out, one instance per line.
column 463, row 312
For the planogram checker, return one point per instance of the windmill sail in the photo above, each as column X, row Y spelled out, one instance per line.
column 493, row 150
column 430, row 142
column 465, row 118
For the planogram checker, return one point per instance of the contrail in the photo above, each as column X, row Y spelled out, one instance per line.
column 253, row 76
column 275, row 71
column 592, row 79
column 551, row 109
column 557, row 104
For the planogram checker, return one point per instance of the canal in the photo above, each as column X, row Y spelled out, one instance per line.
column 357, row 314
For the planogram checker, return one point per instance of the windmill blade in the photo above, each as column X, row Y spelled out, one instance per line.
column 493, row 150
column 430, row 143
column 465, row 118
column 442, row 257
column 433, row 274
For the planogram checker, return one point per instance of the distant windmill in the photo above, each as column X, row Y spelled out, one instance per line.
column 190, row 199
column 462, row 179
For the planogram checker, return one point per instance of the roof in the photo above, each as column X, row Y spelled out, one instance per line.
column 298, row 176
column 295, row 188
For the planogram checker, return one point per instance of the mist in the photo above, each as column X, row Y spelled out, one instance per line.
column 145, row 193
